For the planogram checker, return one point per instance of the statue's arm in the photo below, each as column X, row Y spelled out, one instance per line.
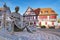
column 11, row 16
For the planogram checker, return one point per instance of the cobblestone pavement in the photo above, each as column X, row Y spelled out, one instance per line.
column 51, row 31
column 40, row 34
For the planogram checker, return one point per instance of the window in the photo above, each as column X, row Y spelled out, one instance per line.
column 34, row 22
column 28, row 17
column 53, row 17
column 0, row 23
column 41, row 12
column 46, row 12
column 52, row 23
column 31, row 18
column 31, row 23
column 46, row 23
column 43, row 17
column 52, row 11
column 34, row 17
column 40, row 23
column 0, row 13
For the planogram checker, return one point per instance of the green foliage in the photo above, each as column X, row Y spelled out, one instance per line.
column 58, row 20
column 43, row 26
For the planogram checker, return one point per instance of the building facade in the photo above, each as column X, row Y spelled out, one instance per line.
column 43, row 16
column 4, row 16
column 30, row 17
column 47, row 17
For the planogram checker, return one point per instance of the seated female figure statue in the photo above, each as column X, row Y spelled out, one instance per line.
column 17, row 22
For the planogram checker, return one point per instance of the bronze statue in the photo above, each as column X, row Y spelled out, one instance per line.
column 16, row 9
column 15, row 17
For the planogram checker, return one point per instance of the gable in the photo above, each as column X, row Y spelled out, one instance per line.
column 29, row 11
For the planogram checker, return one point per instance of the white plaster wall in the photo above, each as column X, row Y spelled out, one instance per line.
column 56, row 23
column 42, row 22
column 49, row 23
column 48, row 17
column 38, row 18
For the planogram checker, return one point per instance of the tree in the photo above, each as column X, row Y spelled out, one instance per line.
column 58, row 20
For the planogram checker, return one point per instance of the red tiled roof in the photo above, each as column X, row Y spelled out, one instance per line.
column 2, row 9
column 48, row 10
column 37, row 11
column 44, row 10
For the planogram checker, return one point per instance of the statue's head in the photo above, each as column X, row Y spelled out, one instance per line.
column 16, row 9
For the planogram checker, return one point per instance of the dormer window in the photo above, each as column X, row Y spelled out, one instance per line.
column 41, row 12
column 46, row 12
column 53, row 11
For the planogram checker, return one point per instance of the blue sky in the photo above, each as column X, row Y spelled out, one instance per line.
column 23, row 4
